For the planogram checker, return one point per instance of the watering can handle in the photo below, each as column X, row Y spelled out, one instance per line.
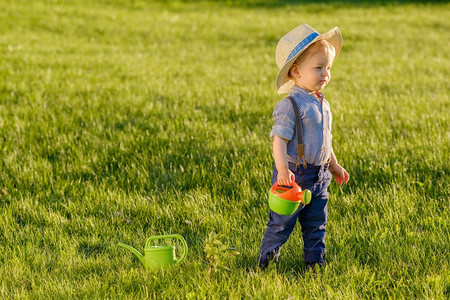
column 170, row 236
column 276, row 185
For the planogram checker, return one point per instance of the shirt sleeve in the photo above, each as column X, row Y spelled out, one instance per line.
column 284, row 120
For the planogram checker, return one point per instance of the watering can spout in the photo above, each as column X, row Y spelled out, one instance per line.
column 137, row 253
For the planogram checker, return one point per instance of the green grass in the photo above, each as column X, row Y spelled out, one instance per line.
column 124, row 119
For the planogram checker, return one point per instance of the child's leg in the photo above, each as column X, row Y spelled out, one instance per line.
column 313, row 219
column 278, row 229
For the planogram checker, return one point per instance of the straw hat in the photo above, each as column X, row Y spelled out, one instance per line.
column 293, row 44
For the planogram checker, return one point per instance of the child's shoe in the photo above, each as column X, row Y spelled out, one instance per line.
column 312, row 266
column 264, row 263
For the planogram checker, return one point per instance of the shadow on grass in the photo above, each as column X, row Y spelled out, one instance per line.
column 268, row 4
column 287, row 266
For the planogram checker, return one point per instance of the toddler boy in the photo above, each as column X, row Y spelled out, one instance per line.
column 304, row 58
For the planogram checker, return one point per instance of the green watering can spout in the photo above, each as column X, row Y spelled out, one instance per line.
column 137, row 253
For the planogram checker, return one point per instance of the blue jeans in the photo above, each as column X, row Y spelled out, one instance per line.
column 312, row 217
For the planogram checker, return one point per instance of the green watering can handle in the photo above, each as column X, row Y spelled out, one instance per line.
column 170, row 236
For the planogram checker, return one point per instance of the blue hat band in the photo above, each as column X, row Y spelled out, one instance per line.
column 302, row 45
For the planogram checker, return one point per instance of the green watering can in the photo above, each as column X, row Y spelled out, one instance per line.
column 158, row 256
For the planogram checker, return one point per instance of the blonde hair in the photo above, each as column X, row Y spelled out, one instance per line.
column 324, row 44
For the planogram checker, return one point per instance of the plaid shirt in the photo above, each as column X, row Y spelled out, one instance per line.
column 316, row 122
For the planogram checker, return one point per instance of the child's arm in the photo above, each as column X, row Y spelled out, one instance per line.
column 339, row 173
column 285, row 176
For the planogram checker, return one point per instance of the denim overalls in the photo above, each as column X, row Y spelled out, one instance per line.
column 316, row 129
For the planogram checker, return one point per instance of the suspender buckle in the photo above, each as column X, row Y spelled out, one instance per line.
column 301, row 153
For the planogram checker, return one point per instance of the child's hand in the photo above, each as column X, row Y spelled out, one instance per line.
column 285, row 177
column 339, row 173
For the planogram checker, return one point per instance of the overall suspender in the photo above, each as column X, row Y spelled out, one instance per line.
column 299, row 131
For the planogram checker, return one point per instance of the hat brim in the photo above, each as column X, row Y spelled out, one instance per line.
column 284, row 83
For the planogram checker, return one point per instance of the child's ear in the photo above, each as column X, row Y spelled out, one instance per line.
column 294, row 71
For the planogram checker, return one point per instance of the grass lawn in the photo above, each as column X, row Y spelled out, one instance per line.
column 125, row 119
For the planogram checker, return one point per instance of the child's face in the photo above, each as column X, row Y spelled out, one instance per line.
column 314, row 70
